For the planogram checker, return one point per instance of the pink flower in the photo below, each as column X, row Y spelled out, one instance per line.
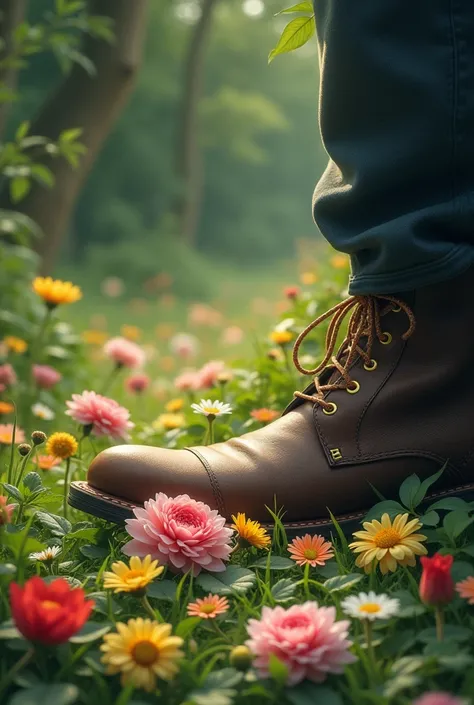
column 180, row 532
column 207, row 376
column 186, row 380
column 6, row 510
column 7, row 375
column 6, row 434
column 233, row 335
column 292, row 292
column 137, row 383
column 105, row 415
column 124, row 352
column 46, row 376
column 306, row 638
column 184, row 345
column 438, row 698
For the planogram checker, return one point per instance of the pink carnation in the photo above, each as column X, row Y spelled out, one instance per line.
column 207, row 376
column 186, row 381
column 105, row 415
column 438, row 698
column 306, row 638
column 124, row 352
column 181, row 532
column 7, row 375
column 137, row 383
column 6, row 510
column 46, row 376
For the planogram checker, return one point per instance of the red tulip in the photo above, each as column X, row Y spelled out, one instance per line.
column 49, row 613
column 436, row 585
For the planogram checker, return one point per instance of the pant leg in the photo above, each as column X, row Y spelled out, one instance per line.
column 397, row 120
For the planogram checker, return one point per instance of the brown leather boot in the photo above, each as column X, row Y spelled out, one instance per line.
column 396, row 399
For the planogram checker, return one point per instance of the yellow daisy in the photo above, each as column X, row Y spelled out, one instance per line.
column 94, row 337
column 169, row 422
column 141, row 651
column 135, row 576
column 61, row 445
column 18, row 345
column 281, row 337
column 130, row 332
column 174, row 405
column 55, row 292
column 388, row 544
column 250, row 532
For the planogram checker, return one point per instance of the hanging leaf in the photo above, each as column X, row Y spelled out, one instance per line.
column 299, row 7
column 297, row 33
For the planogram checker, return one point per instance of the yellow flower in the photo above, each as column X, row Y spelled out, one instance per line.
column 251, row 532
column 340, row 262
column 55, row 292
column 61, row 445
column 135, row 576
column 18, row 345
column 141, row 651
column 174, row 405
column 388, row 544
column 308, row 278
column 169, row 422
column 6, row 408
column 94, row 337
column 131, row 332
column 281, row 337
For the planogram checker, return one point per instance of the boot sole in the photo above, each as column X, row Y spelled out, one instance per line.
column 116, row 510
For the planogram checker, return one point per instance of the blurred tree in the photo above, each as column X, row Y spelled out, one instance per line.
column 12, row 14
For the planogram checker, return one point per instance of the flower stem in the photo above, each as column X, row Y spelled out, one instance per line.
column 306, row 581
column 22, row 469
column 154, row 614
column 370, row 647
column 210, row 433
column 108, row 380
column 439, row 617
column 66, row 486
column 21, row 663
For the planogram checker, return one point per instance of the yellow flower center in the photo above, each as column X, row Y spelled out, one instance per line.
column 207, row 609
column 145, row 653
column 50, row 604
column 386, row 538
column 370, row 607
column 310, row 553
column 211, row 409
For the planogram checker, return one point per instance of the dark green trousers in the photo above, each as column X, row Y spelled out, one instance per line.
column 397, row 120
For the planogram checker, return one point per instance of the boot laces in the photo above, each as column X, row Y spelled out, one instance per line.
column 364, row 322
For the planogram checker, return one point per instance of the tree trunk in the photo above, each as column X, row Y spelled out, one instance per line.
column 12, row 13
column 189, row 168
column 92, row 103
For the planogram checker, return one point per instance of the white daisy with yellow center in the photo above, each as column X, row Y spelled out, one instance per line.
column 41, row 411
column 368, row 605
column 207, row 407
column 49, row 554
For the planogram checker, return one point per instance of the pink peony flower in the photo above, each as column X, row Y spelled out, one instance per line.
column 124, row 352
column 438, row 698
column 186, row 381
column 207, row 376
column 105, row 415
column 180, row 532
column 46, row 376
column 137, row 383
column 6, row 510
column 7, row 375
column 306, row 638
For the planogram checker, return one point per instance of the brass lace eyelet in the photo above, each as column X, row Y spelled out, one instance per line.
column 332, row 410
column 354, row 388
column 396, row 309
column 370, row 366
column 387, row 338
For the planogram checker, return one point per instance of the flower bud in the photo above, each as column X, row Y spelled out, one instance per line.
column 241, row 657
column 436, row 585
column 38, row 437
column 24, row 449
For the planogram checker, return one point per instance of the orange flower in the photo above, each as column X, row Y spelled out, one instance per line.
column 46, row 462
column 55, row 292
column 466, row 589
column 18, row 345
column 281, row 337
column 308, row 278
column 340, row 262
column 6, row 408
column 6, row 434
column 209, row 607
column 264, row 415
column 314, row 550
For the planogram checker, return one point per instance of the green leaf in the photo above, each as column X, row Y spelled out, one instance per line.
column 57, row 525
column 295, row 35
column 456, row 522
column 452, row 632
column 276, row 563
column 233, row 579
column 461, row 570
column 425, row 485
column 219, row 688
column 389, row 506
column 13, row 492
column 410, row 606
column 42, row 174
column 308, row 693
column 88, row 534
column 71, row 135
column 18, row 541
column 284, row 590
column 187, row 626
column 430, row 519
column 409, row 490
column 162, row 590
column 22, row 131
column 278, row 670
column 19, row 188
column 7, row 569
column 342, row 582
column 33, row 481
column 94, row 552
column 299, row 7
column 451, row 504
column 91, row 631
column 9, row 631
column 57, row 694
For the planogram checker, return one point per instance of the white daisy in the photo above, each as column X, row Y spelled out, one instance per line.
column 49, row 554
column 206, row 407
column 368, row 605
column 41, row 411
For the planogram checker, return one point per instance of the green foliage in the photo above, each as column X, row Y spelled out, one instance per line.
column 297, row 32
